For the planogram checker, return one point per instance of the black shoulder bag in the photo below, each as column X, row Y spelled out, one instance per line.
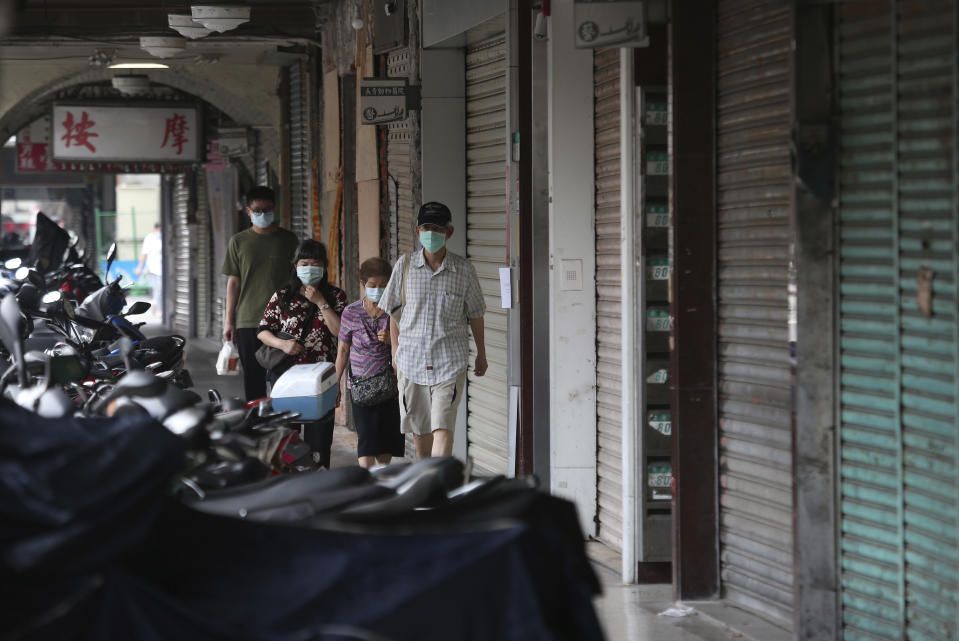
column 276, row 361
column 367, row 391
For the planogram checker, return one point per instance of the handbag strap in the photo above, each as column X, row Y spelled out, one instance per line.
column 308, row 322
column 406, row 271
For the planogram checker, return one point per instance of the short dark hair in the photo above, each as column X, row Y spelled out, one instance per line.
column 260, row 193
column 311, row 250
column 373, row 267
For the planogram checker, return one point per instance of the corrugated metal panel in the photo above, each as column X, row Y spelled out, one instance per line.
column 898, row 436
column 755, row 185
column 609, row 328
column 202, row 254
column 182, row 238
column 486, row 237
column 261, row 161
column 398, row 160
column 301, row 173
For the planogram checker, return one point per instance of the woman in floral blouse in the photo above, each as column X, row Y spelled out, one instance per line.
column 289, row 308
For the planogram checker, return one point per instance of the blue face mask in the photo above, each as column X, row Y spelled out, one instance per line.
column 432, row 241
column 309, row 274
column 374, row 293
column 261, row 220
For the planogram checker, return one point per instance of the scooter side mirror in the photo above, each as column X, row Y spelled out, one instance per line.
column 137, row 308
column 111, row 256
column 28, row 296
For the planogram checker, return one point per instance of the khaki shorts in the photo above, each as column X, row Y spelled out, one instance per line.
column 426, row 408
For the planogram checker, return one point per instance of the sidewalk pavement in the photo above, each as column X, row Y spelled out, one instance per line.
column 626, row 612
column 632, row 612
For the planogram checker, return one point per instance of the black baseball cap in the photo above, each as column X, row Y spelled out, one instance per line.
column 434, row 213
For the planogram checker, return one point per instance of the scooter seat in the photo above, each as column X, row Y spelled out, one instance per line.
column 297, row 492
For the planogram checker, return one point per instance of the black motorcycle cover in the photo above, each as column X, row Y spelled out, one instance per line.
column 91, row 549
column 50, row 243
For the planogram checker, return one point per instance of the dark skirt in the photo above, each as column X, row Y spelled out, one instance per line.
column 378, row 429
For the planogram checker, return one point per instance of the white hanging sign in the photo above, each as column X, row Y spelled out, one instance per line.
column 609, row 23
column 383, row 100
column 169, row 133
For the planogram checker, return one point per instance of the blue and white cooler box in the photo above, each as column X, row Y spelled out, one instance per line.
column 309, row 389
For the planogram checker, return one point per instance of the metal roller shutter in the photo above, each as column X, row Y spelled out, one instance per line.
column 202, row 257
column 398, row 160
column 754, row 198
column 486, row 237
column 609, row 327
column 182, row 238
column 301, row 222
column 898, row 385
column 261, row 162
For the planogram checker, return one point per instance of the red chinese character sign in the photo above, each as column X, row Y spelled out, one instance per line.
column 33, row 146
column 128, row 134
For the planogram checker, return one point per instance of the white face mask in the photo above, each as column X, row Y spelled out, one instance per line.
column 261, row 220
column 309, row 274
column 374, row 293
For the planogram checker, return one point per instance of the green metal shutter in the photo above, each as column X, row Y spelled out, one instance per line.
column 755, row 187
column 609, row 275
column 898, row 432
column 486, row 236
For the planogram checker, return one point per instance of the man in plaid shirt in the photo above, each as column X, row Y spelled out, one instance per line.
column 430, row 332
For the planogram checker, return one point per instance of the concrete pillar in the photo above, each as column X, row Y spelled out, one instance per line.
column 572, row 318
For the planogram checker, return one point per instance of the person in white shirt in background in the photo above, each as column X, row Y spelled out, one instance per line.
column 152, row 256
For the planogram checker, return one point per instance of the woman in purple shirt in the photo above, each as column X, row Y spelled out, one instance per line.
column 365, row 345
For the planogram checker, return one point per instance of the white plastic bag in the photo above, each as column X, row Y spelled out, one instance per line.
column 227, row 362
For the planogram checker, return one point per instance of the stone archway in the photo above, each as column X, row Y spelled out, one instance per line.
column 36, row 103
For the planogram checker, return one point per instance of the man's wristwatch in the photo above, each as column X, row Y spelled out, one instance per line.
column 324, row 306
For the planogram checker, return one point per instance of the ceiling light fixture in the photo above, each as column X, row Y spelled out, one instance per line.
column 220, row 17
column 139, row 65
column 186, row 26
column 356, row 20
column 162, row 47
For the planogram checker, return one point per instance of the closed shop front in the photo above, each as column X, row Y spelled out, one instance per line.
column 182, row 241
column 754, row 202
column 400, row 185
column 192, row 257
column 486, row 247
column 609, row 276
column 301, row 168
column 899, row 336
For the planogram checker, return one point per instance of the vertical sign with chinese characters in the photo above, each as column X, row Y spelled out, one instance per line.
column 168, row 133
column 33, row 146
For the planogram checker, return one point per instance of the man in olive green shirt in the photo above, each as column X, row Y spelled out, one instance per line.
column 258, row 262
